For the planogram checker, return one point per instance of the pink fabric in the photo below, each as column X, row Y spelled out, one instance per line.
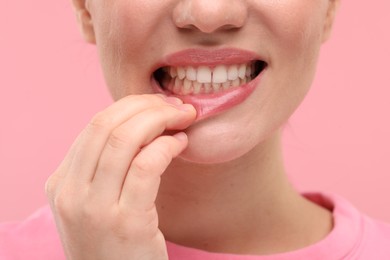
column 354, row 236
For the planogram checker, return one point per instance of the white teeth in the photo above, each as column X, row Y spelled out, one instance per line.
column 248, row 71
column 219, row 74
column 191, row 73
column 173, row 72
column 197, row 87
column 232, row 72
column 187, row 87
column 207, row 88
column 216, row 87
column 204, row 74
column 236, row 83
column 177, row 85
column 241, row 71
column 226, row 85
column 205, row 80
column 181, row 73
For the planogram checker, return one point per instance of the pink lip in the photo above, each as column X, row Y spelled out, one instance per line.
column 208, row 105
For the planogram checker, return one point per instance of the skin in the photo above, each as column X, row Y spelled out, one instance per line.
column 231, row 197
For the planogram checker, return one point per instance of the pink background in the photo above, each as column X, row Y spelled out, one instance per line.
column 51, row 85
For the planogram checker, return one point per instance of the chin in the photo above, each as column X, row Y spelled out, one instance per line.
column 209, row 148
column 200, row 155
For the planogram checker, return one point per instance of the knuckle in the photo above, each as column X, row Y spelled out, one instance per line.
column 99, row 122
column 148, row 163
column 49, row 186
column 162, row 155
column 66, row 203
column 62, row 206
column 118, row 139
column 52, row 183
column 143, row 165
column 90, row 216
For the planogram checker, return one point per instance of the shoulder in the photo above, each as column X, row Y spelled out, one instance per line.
column 355, row 235
column 375, row 243
column 34, row 238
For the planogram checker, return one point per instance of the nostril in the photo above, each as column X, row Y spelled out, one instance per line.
column 230, row 27
column 209, row 16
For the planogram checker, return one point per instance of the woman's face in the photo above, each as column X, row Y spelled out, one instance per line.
column 219, row 40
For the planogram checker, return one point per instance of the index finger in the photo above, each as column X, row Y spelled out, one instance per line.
column 94, row 136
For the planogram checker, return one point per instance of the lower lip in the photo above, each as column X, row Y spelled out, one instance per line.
column 208, row 105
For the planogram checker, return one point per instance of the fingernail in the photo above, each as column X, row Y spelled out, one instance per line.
column 181, row 136
column 186, row 107
column 161, row 95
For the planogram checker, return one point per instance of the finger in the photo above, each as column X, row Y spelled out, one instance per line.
column 94, row 136
column 140, row 188
column 127, row 140
column 65, row 164
column 54, row 180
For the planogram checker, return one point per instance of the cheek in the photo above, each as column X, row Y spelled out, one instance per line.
column 295, row 27
column 131, row 25
column 292, row 32
column 129, row 21
column 295, row 32
column 126, row 34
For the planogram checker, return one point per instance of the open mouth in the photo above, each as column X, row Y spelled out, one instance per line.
column 195, row 80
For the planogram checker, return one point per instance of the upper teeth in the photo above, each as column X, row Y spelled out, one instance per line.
column 205, row 74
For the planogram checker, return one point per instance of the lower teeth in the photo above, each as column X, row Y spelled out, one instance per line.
column 186, row 87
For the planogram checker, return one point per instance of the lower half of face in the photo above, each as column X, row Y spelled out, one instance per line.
column 161, row 46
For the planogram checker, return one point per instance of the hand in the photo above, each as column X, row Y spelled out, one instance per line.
column 103, row 193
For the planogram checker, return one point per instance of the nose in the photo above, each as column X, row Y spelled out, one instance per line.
column 209, row 16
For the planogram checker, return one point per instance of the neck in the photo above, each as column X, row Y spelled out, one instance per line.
column 224, row 207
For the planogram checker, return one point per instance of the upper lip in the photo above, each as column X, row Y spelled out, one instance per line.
column 207, row 57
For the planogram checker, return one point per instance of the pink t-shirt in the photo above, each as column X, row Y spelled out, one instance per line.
column 354, row 236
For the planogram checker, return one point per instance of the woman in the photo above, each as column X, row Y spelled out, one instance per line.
column 187, row 163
